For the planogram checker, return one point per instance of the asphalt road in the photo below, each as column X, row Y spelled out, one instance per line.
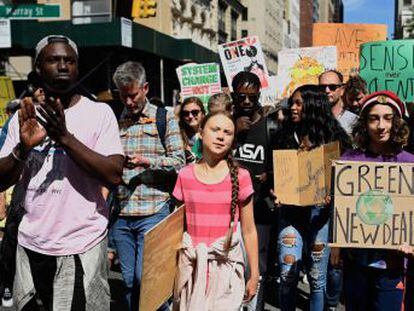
column 271, row 301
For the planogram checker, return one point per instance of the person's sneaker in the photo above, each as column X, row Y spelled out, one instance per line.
column 7, row 300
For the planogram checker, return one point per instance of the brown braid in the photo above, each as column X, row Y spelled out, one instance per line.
column 234, row 171
column 234, row 175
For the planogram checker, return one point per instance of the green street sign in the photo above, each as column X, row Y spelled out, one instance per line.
column 30, row 11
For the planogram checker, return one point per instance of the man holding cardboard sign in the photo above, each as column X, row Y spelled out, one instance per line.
column 374, row 198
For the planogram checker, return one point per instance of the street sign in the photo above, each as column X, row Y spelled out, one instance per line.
column 30, row 11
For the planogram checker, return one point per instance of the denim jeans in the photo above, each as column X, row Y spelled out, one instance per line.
column 333, row 285
column 128, row 236
column 303, row 241
column 409, row 285
column 372, row 289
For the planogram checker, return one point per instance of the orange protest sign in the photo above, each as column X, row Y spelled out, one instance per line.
column 347, row 38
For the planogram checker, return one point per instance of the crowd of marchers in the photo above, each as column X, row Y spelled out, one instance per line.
column 87, row 186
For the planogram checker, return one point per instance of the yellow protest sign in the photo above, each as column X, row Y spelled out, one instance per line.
column 6, row 94
column 303, row 178
column 373, row 204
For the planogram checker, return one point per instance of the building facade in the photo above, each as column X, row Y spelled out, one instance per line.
column 323, row 11
column 309, row 13
column 264, row 18
column 403, row 17
column 205, row 22
column 331, row 11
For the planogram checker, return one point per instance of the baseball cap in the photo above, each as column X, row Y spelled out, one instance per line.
column 13, row 105
column 52, row 39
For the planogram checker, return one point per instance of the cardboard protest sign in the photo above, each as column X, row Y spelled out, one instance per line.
column 373, row 204
column 388, row 65
column 200, row 80
column 160, row 260
column 303, row 66
column 244, row 55
column 6, row 94
column 347, row 38
column 303, row 178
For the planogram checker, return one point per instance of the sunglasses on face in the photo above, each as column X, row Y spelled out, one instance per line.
column 241, row 97
column 194, row 113
column 331, row 87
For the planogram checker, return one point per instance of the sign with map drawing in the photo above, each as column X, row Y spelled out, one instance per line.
column 373, row 204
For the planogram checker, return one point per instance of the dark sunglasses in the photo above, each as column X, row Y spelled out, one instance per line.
column 194, row 113
column 241, row 97
column 331, row 87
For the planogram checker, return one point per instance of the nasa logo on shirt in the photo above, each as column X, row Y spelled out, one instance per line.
column 251, row 152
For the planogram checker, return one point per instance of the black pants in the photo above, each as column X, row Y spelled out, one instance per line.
column 9, row 244
column 43, row 268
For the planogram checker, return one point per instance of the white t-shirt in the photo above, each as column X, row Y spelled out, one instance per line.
column 65, row 211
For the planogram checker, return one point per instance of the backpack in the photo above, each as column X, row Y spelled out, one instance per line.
column 161, row 123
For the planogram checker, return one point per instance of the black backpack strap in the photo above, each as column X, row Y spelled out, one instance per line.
column 161, row 121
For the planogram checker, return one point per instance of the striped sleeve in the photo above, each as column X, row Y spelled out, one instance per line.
column 178, row 189
column 245, row 185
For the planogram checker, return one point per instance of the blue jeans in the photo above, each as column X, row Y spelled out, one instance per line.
column 372, row 289
column 334, row 285
column 303, row 240
column 409, row 285
column 128, row 236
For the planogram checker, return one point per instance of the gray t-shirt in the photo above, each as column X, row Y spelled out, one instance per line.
column 347, row 121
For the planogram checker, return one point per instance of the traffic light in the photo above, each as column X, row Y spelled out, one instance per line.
column 144, row 8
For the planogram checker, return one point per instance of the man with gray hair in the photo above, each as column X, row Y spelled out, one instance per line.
column 154, row 152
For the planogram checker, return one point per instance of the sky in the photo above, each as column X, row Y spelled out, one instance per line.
column 371, row 12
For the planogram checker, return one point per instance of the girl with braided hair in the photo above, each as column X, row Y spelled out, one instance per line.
column 216, row 194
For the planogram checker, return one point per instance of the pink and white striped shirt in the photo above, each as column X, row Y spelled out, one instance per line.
column 207, row 206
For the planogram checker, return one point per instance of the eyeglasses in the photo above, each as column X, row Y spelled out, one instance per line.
column 241, row 97
column 194, row 113
column 331, row 87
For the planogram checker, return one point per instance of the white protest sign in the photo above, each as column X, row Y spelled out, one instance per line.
column 245, row 54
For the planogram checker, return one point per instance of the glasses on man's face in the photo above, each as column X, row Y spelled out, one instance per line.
column 241, row 97
column 331, row 87
column 194, row 113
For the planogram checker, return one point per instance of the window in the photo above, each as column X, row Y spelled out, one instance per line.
column 245, row 16
column 222, row 17
column 234, row 17
column 244, row 33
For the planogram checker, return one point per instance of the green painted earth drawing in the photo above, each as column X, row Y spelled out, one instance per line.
column 374, row 207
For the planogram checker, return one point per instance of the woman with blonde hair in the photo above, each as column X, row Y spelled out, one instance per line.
column 191, row 115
